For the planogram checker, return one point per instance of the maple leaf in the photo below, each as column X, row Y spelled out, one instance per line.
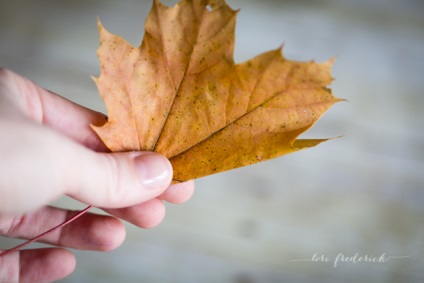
column 181, row 94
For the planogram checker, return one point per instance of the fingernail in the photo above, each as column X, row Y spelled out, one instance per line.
column 154, row 170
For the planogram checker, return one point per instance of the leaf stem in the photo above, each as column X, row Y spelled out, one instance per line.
column 19, row 247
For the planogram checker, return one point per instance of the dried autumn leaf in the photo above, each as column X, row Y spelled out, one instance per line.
column 181, row 94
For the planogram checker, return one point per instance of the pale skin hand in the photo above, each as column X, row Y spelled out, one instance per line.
column 47, row 149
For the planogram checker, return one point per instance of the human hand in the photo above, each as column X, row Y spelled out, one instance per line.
column 48, row 150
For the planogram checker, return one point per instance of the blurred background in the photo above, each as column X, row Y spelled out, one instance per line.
column 362, row 193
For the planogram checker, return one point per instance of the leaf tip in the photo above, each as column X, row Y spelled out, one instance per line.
column 102, row 30
column 95, row 79
column 330, row 62
column 281, row 47
column 99, row 23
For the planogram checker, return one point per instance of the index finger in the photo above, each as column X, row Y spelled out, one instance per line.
column 51, row 109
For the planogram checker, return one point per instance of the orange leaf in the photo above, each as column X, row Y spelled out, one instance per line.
column 181, row 94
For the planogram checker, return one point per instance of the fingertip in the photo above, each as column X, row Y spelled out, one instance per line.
column 154, row 215
column 71, row 261
column 94, row 232
column 178, row 193
column 119, row 233
column 145, row 215
column 154, row 170
column 110, row 234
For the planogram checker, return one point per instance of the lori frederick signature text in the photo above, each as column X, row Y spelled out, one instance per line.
column 356, row 258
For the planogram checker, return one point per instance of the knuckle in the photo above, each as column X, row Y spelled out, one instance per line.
column 10, row 226
column 115, row 187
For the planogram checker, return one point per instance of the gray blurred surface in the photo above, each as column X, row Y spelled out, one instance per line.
column 362, row 193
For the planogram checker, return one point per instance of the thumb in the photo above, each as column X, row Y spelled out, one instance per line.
column 115, row 180
column 39, row 165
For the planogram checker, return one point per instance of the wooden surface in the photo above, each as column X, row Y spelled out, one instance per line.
column 362, row 193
